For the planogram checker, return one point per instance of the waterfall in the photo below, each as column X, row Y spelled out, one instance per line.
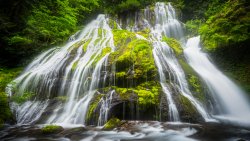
column 232, row 100
column 81, row 69
column 168, row 25
column 66, row 71
column 105, row 103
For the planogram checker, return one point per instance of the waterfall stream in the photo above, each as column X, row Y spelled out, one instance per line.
column 232, row 100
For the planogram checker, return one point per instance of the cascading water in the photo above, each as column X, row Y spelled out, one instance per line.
column 105, row 103
column 167, row 24
column 230, row 97
column 79, row 69
column 66, row 71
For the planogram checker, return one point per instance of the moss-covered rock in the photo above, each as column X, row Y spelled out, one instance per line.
column 112, row 123
column 187, row 111
column 174, row 44
column 49, row 129
column 92, row 107
column 6, row 76
column 21, row 98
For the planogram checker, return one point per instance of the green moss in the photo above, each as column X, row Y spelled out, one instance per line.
column 93, row 105
column 148, row 93
column 86, row 45
column 49, row 129
column 101, row 55
column 112, row 123
column 187, row 106
column 144, row 33
column 61, row 98
column 113, row 24
column 174, row 44
column 74, row 65
column 6, row 76
column 21, row 98
column 4, row 108
column 134, row 52
column 187, row 69
column 122, row 37
column 124, row 93
column 194, row 81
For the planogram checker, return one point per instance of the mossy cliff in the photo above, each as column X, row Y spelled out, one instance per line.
column 138, row 94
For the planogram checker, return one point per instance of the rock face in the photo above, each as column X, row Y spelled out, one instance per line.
column 111, row 72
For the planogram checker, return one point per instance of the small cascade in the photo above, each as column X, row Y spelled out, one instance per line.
column 166, row 21
column 173, row 112
column 230, row 97
column 105, row 104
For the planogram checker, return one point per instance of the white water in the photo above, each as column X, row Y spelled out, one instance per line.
column 166, row 61
column 231, row 98
column 105, row 104
column 75, row 71
column 66, row 71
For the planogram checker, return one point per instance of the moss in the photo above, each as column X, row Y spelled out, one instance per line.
column 4, row 109
column 86, row 45
column 144, row 33
column 195, row 83
column 49, row 129
column 188, row 108
column 112, row 123
column 174, row 44
column 6, row 76
column 23, row 97
column 101, row 55
column 124, row 93
column 134, row 57
column 113, row 24
column 148, row 93
column 122, row 37
column 93, row 105
column 61, row 98
column 187, row 69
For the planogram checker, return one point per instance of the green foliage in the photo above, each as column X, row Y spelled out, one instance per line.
column 28, row 27
column 6, row 75
column 228, row 26
column 192, row 27
column 18, row 40
column 112, row 123
column 51, row 129
column 4, row 108
column 49, row 25
column 128, row 5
